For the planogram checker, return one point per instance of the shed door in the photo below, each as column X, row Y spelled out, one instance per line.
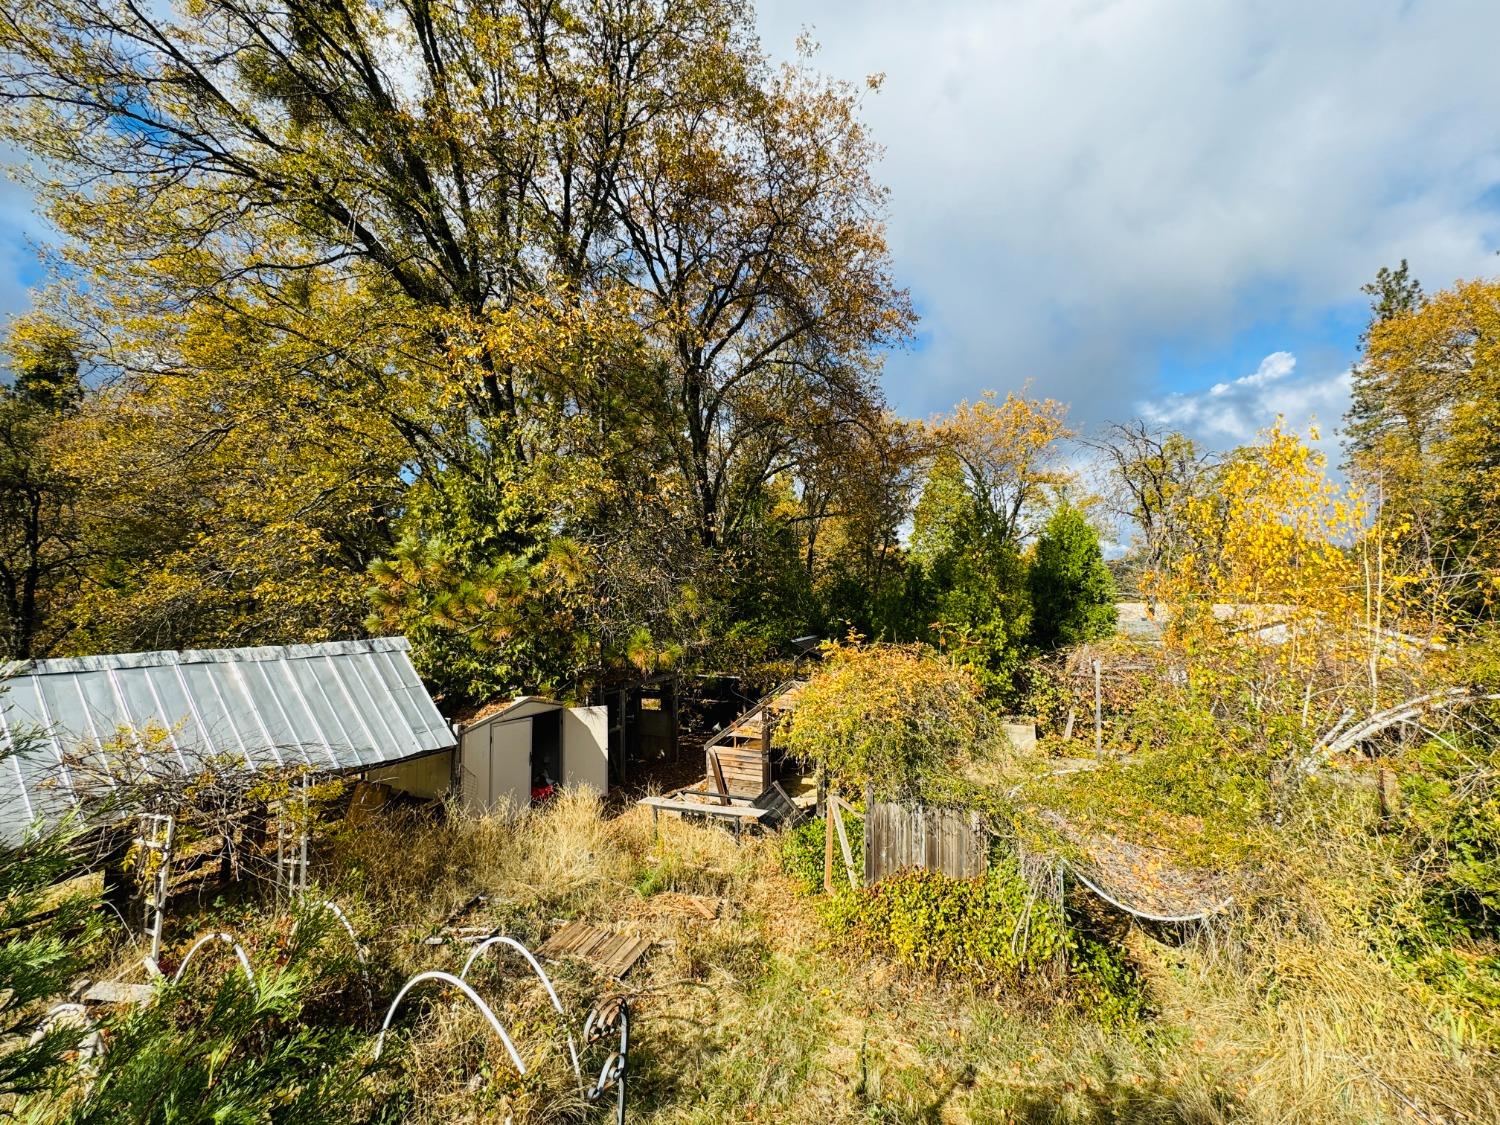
column 474, row 761
column 510, row 763
column 585, row 734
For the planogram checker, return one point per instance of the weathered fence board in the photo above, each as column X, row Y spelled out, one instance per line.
column 946, row 840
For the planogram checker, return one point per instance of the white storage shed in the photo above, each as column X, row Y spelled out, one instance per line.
column 509, row 752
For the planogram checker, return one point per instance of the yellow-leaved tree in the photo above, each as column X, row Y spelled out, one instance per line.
column 1422, row 434
column 1284, row 598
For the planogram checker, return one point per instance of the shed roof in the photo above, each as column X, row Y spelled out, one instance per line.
column 505, row 708
column 341, row 705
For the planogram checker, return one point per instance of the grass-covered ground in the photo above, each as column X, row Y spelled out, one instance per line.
column 1290, row 1012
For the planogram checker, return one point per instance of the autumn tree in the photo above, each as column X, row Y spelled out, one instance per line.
column 895, row 718
column 1072, row 592
column 1421, row 435
column 1270, row 605
column 1009, row 451
column 602, row 265
column 238, row 494
column 1151, row 476
column 995, row 468
column 855, row 497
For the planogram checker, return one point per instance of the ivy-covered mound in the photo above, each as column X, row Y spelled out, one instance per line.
column 994, row 930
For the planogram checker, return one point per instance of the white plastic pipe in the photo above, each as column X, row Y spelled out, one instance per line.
column 467, row 990
column 503, row 939
column 227, row 939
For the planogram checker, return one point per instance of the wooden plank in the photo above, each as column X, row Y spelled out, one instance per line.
column 828, row 815
column 118, row 992
column 718, row 775
column 838, row 822
column 737, row 812
column 614, row 954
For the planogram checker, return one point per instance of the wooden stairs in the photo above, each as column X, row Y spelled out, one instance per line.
column 737, row 760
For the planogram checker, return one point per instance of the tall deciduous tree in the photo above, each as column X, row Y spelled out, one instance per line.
column 1152, row 476
column 1422, row 439
column 1009, row 450
column 600, row 261
column 995, row 467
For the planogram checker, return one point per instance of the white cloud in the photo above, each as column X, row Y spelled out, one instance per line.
column 1077, row 184
column 1277, row 365
column 1229, row 414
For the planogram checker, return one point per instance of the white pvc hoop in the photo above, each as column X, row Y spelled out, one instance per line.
column 333, row 908
column 1175, row 919
column 467, row 990
column 503, row 939
column 227, row 939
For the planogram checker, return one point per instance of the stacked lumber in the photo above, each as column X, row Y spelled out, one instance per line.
column 740, row 754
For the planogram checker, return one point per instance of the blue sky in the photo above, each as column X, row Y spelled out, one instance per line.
column 1147, row 208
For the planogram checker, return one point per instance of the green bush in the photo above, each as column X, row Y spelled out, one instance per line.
column 889, row 717
column 214, row 1048
column 802, row 853
column 1104, row 981
column 993, row 930
column 1453, row 816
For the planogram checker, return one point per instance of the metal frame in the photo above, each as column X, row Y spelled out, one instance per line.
column 607, row 1014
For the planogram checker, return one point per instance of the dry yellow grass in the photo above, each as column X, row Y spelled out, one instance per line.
column 757, row 1014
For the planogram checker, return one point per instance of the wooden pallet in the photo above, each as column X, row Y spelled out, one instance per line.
column 614, row 954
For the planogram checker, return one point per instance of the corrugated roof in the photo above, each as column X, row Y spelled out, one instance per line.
column 343, row 705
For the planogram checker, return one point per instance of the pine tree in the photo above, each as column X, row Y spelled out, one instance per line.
column 41, row 942
column 1072, row 591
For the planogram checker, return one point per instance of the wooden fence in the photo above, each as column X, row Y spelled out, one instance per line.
column 946, row 840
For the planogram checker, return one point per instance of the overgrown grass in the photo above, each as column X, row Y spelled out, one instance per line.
column 1293, row 1011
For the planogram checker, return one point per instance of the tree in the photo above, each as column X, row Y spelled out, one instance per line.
column 1272, row 594
column 1422, row 435
column 764, row 276
column 605, row 253
column 1152, row 477
column 854, row 497
column 971, row 591
column 39, row 546
column 994, row 467
column 1072, row 592
column 1008, row 451
column 1393, row 293
column 238, row 495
